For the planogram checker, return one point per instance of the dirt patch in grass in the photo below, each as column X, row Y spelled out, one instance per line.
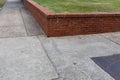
column 81, row 5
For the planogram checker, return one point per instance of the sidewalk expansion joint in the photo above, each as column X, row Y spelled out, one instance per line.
column 49, row 59
column 23, row 21
column 111, row 40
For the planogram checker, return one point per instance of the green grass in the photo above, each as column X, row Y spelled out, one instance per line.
column 81, row 5
column 2, row 2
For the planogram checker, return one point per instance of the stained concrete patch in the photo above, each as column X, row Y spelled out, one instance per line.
column 110, row 64
column 24, row 59
column 31, row 25
column 71, row 56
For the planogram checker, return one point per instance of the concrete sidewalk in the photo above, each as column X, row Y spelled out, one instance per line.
column 21, row 54
column 16, row 21
column 27, row 54
column 72, row 55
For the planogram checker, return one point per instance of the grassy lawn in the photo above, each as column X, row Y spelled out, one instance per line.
column 81, row 5
column 2, row 2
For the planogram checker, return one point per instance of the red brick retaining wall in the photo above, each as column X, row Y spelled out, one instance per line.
column 61, row 24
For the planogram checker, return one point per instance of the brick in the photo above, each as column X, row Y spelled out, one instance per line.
column 62, row 24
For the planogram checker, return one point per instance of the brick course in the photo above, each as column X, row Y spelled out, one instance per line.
column 62, row 24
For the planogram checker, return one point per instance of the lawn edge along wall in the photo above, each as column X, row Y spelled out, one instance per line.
column 62, row 24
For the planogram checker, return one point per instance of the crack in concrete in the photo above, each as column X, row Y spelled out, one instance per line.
column 110, row 40
column 49, row 59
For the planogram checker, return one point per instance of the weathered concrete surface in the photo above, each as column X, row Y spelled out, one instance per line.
column 12, row 31
column 42, row 58
column 11, row 24
column 24, row 59
column 114, row 37
column 17, row 21
column 11, row 15
column 71, row 56
column 31, row 25
column 12, row 4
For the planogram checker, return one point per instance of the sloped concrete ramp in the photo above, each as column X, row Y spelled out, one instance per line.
column 16, row 21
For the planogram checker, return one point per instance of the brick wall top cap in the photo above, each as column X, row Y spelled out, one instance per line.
column 80, row 15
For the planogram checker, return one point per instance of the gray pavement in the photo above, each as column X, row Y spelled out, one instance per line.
column 21, row 54
column 24, row 59
column 72, row 55
column 27, row 54
column 16, row 21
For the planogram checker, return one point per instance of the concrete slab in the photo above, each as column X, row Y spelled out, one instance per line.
column 10, row 10
column 89, row 45
column 12, row 3
column 11, row 17
column 115, row 37
column 31, row 25
column 12, row 31
column 24, row 59
column 82, row 69
column 66, row 52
